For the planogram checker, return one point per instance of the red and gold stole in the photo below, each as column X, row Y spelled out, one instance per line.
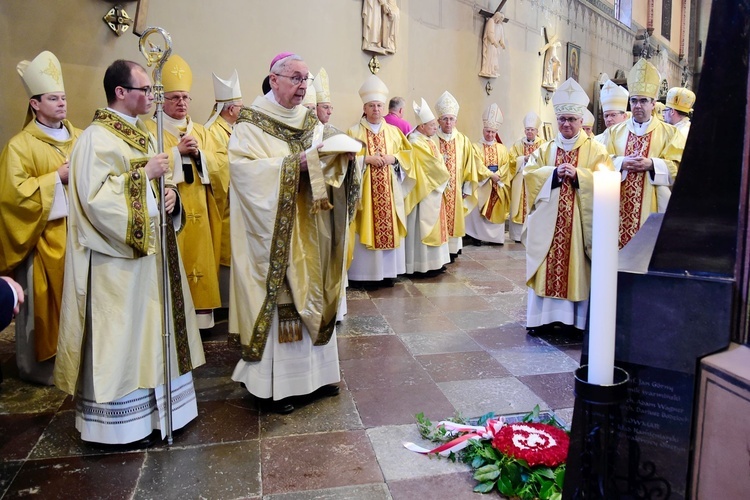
column 490, row 158
column 527, row 150
column 558, row 257
column 448, row 149
column 631, row 196
column 382, row 195
column 442, row 218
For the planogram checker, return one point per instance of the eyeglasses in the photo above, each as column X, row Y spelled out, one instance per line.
column 179, row 98
column 569, row 119
column 642, row 101
column 296, row 79
column 147, row 90
column 666, row 110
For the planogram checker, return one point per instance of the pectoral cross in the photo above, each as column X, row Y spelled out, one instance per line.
column 487, row 14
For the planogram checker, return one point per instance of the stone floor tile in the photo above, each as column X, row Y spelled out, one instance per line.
column 338, row 413
column 221, row 358
column 439, row 342
column 365, row 492
column 222, row 422
column 318, row 461
column 218, row 388
column 573, row 350
column 460, row 303
column 418, row 321
column 397, row 462
column 8, row 472
column 400, row 289
column 394, row 307
column 383, row 372
column 79, row 477
column 375, row 346
column 18, row 396
column 353, row 294
column 474, row 398
column 444, row 289
column 531, row 360
column 556, row 389
column 494, row 287
column 457, row 486
column 462, row 366
column 504, row 336
column 566, row 415
column 357, row 326
column 476, row 320
column 19, row 434
column 230, row 470
column 398, row 405
column 361, row 307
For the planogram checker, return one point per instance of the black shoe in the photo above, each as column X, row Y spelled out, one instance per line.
column 533, row 332
column 453, row 257
column 282, row 406
column 327, row 391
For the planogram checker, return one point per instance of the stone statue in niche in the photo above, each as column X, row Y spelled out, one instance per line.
column 552, row 67
column 491, row 43
column 380, row 20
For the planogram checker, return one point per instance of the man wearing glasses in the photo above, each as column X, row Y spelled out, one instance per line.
column 614, row 100
column 219, row 125
column 291, row 205
column 560, row 188
column 195, row 167
column 33, row 179
column 110, row 348
column 646, row 150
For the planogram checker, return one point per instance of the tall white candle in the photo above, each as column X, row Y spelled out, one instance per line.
column 603, row 304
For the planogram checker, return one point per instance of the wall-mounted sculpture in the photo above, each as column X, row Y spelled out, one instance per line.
column 380, row 20
column 493, row 40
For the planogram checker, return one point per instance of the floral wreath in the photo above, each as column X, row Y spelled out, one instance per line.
column 524, row 460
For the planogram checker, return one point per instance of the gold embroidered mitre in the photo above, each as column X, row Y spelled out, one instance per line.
column 43, row 75
column 447, row 105
column 644, row 79
column 681, row 99
column 176, row 75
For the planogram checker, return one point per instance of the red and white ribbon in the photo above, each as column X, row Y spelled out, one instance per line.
column 473, row 432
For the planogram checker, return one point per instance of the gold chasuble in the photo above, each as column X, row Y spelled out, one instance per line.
column 560, row 218
column 380, row 221
column 429, row 191
column 219, row 133
column 288, row 227
column 113, row 271
column 28, row 167
column 497, row 206
column 464, row 166
column 200, row 181
column 518, row 204
column 643, row 193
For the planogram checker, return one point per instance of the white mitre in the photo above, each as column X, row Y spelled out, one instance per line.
column 570, row 99
column 43, row 75
column 613, row 97
column 532, row 120
column 447, row 105
column 373, row 90
column 322, row 89
column 492, row 117
column 423, row 112
column 310, row 98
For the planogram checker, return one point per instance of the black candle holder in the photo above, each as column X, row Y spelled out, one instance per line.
column 602, row 417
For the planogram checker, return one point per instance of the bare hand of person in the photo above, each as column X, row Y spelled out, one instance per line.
column 19, row 292
column 566, row 170
column 376, row 161
column 170, row 199
column 188, row 145
column 157, row 166
column 63, row 172
column 637, row 164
